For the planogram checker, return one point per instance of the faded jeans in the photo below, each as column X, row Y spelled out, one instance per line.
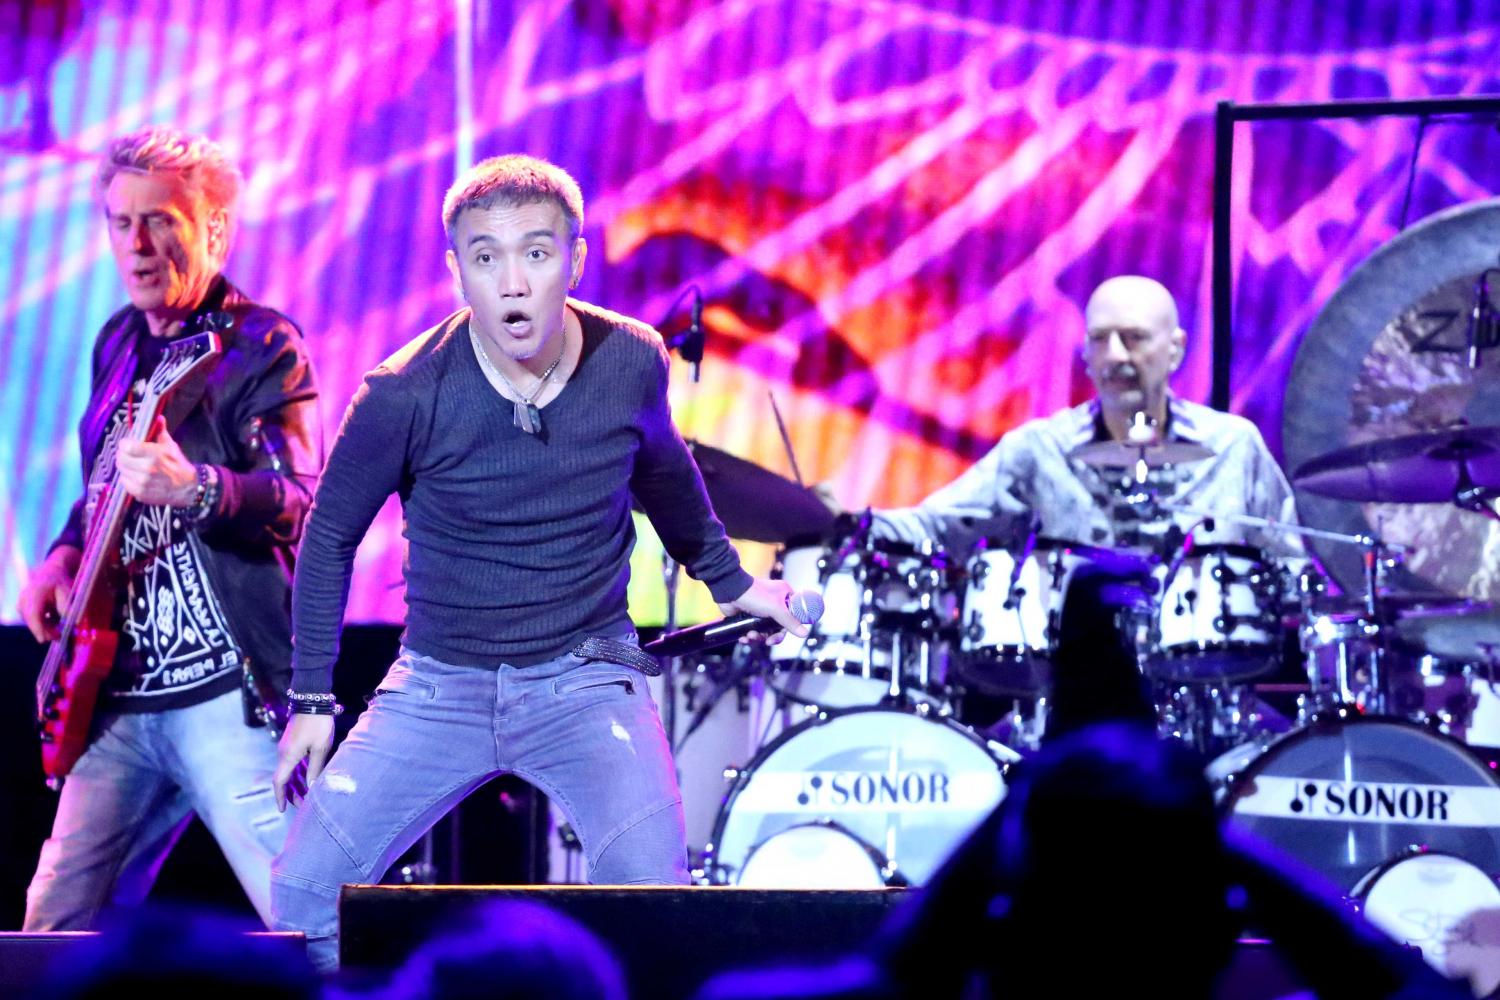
column 133, row 792
column 584, row 732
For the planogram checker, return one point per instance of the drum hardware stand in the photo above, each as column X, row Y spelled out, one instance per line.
column 1468, row 496
column 1395, row 549
column 422, row 871
column 670, row 575
column 689, row 346
column 730, row 682
column 929, row 590
column 573, row 853
column 1026, row 732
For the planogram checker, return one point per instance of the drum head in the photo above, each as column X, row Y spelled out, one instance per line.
column 813, row 856
column 908, row 787
column 1444, row 906
column 1343, row 796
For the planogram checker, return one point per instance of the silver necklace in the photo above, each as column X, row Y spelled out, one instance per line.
column 527, row 416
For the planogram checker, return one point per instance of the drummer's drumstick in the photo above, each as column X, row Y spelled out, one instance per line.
column 786, row 439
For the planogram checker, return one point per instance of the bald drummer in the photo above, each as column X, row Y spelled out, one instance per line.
column 1133, row 344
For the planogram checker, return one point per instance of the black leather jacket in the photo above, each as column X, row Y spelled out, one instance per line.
column 255, row 416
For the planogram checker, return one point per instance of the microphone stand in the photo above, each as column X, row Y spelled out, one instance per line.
column 689, row 345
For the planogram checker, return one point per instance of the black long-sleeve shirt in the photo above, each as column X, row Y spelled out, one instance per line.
column 518, row 544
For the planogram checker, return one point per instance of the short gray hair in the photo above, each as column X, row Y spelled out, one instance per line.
column 202, row 163
column 514, row 179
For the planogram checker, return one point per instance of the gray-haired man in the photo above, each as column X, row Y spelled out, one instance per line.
column 219, row 489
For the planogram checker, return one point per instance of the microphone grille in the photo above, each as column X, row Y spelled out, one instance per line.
column 806, row 606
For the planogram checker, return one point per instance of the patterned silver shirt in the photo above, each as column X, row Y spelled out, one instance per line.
column 1029, row 473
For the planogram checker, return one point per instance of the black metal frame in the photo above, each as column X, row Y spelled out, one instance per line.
column 1226, row 117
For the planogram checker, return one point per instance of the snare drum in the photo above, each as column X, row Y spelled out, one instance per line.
column 1219, row 616
column 1433, row 668
column 896, row 789
column 1444, row 906
column 1448, row 655
column 1344, row 795
column 882, row 601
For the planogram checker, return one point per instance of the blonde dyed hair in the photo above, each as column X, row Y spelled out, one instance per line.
column 204, row 166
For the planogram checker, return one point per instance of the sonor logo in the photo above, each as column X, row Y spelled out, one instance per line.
column 1332, row 801
column 1368, row 800
column 855, row 789
column 931, row 789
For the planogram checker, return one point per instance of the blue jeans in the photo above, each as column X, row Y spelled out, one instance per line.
column 133, row 792
column 584, row 732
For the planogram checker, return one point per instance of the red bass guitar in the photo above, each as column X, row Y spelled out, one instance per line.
column 81, row 658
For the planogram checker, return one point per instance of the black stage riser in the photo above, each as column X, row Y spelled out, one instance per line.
column 671, row 940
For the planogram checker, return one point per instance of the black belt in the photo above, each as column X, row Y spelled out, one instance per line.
column 614, row 651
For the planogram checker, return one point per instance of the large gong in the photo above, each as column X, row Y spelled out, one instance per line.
column 1386, row 358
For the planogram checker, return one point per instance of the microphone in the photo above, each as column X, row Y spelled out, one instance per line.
column 1181, row 544
column 805, row 605
column 697, row 337
column 1034, row 527
column 689, row 343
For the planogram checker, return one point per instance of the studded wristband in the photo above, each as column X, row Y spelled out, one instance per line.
column 314, row 703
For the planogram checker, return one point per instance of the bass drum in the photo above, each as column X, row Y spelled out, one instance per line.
column 1444, row 906
column 851, row 799
column 1344, row 796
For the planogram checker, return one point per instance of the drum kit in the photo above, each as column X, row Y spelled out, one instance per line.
column 1346, row 702
column 865, row 770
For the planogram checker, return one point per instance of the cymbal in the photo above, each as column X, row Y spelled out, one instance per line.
column 1383, row 359
column 1412, row 468
column 756, row 504
column 1123, row 455
column 1468, row 632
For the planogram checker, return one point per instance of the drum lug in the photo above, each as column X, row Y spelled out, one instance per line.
column 1223, row 573
column 1014, row 598
column 1332, row 715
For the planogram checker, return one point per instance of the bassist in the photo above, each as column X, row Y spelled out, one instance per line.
column 191, row 612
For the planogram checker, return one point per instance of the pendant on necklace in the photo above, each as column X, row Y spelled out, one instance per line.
column 528, row 417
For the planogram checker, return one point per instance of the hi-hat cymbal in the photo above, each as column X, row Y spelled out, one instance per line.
column 1413, row 468
column 1124, row 455
column 756, row 504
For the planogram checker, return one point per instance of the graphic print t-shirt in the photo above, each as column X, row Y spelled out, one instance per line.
column 176, row 648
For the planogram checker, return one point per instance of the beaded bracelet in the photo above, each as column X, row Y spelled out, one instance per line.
column 206, row 501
